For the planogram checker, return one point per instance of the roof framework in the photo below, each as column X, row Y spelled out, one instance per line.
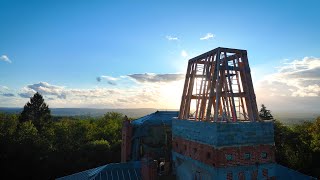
column 218, row 87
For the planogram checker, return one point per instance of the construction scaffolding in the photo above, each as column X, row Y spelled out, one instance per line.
column 218, row 87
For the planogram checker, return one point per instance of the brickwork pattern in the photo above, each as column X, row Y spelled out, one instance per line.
column 126, row 141
column 226, row 156
column 148, row 169
column 224, row 134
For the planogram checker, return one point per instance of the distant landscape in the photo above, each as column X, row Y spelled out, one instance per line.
column 284, row 117
column 90, row 112
column 288, row 118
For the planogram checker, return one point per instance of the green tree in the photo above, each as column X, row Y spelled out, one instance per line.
column 62, row 147
column 109, row 127
column 315, row 145
column 293, row 147
column 27, row 134
column 36, row 111
column 315, row 133
column 8, row 125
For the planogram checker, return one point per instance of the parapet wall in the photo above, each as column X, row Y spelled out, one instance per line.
column 226, row 156
column 224, row 134
column 224, row 144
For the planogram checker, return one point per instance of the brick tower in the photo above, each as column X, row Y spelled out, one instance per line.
column 218, row 134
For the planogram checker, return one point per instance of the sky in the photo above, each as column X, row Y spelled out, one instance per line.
column 133, row 54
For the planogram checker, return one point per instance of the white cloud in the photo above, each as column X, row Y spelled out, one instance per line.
column 8, row 94
column 172, row 38
column 44, row 88
column 207, row 36
column 3, row 88
column 151, row 90
column 156, row 78
column 62, row 92
column 5, row 91
column 184, row 53
column 297, row 81
column 26, row 92
column 5, row 58
column 110, row 80
column 162, row 91
column 302, row 77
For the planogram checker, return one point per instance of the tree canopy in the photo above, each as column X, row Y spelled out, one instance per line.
column 62, row 147
column 68, row 145
column 36, row 111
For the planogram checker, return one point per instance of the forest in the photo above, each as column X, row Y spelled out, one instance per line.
column 36, row 145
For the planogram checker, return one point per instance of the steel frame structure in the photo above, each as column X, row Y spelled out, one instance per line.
column 218, row 87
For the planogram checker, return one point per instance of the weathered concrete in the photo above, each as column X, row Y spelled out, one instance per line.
column 224, row 134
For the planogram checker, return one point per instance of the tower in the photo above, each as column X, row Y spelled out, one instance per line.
column 218, row 134
column 218, row 87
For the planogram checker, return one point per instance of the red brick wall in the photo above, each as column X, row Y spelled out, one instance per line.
column 254, row 175
column 148, row 168
column 229, row 176
column 265, row 172
column 241, row 176
column 217, row 157
column 126, row 141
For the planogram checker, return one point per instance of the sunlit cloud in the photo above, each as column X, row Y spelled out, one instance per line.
column 110, row 80
column 5, row 58
column 3, row 88
column 296, row 78
column 207, row 36
column 145, row 90
column 172, row 38
column 8, row 94
column 295, row 84
column 156, row 78
column 184, row 53
column 5, row 92
column 45, row 89
column 297, row 81
column 26, row 92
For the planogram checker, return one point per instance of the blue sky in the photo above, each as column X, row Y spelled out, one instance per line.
column 63, row 48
